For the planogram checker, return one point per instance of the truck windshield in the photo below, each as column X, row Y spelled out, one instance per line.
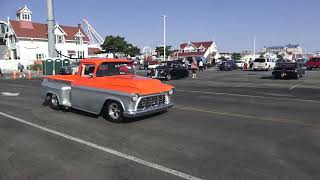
column 114, row 69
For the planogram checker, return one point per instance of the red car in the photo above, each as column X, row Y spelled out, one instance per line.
column 313, row 62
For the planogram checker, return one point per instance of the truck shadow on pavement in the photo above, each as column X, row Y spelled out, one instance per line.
column 91, row 115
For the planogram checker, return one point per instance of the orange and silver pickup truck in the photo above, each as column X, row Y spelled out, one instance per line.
column 108, row 87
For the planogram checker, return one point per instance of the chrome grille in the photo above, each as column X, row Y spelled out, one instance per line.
column 152, row 102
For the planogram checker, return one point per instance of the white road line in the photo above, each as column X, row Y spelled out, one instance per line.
column 10, row 94
column 251, row 96
column 294, row 86
column 107, row 150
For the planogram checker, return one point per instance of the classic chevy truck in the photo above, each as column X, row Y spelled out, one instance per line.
column 108, row 87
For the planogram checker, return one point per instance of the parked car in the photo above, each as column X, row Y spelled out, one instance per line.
column 228, row 65
column 108, row 87
column 240, row 64
column 313, row 63
column 263, row 64
column 302, row 61
column 288, row 70
column 70, row 70
column 169, row 70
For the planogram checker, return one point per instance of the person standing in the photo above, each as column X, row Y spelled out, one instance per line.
column 1, row 75
column 201, row 66
column 194, row 67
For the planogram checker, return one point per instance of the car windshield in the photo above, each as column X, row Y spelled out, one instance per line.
column 260, row 60
column 114, row 69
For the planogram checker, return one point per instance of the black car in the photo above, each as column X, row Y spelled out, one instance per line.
column 169, row 70
column 288, row 70
column 69, row 70
column 228, row 65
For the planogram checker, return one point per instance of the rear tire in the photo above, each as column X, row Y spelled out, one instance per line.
column 113, row 112
column 54, row 102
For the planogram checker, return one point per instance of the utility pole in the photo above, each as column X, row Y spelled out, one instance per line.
column 164, row 37
column 51, row 38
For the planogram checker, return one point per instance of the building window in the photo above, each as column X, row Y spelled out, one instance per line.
column 59, row 39
column 40, row 56
column 79, row 40
column 80, row 54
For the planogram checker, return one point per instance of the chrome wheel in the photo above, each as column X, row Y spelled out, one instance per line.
column 114, row 111
column 54, row 102
column 168, row 77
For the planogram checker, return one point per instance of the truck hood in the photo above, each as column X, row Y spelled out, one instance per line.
column 137, row 84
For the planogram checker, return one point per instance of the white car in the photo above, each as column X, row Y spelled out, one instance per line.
column 240, row 64
column 263, row 64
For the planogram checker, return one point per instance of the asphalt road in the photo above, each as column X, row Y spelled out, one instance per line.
column 225, row 126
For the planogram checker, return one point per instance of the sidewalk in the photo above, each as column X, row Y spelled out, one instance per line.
column 9, row 75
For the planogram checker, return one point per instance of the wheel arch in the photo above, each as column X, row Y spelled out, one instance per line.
column 109, row 100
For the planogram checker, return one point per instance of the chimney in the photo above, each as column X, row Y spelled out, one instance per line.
column 79, row 26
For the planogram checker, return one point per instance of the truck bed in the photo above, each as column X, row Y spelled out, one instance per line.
column 65, row 78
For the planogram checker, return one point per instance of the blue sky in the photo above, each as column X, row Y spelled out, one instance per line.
column 231, row 23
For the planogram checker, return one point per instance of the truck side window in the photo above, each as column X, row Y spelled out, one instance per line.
column 87, row 69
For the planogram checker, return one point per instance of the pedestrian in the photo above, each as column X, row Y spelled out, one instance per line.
column 201, row 66
column 20, row 69
column 194, row 67
column 1, row 75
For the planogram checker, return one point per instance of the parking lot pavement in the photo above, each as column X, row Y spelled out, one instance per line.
column 217, row 130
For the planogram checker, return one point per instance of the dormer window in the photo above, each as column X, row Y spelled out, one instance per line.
column 24, row 14
column 59, row 39
column 79, row 40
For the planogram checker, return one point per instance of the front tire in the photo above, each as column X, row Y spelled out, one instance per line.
column 114, row 112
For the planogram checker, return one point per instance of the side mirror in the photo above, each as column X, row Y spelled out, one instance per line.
column 91, row 75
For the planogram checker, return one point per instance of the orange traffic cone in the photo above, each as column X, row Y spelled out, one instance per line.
column 14, row 75
column 29, row 75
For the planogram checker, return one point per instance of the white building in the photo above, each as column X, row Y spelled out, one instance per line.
column 29, row 40
column 205, row 50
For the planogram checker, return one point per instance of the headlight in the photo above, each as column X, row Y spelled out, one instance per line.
column 170, row 92
column 135, row 98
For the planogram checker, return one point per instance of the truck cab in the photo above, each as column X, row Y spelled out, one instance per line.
column 108, row 87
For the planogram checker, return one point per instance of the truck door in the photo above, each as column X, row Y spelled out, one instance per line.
column 83, row 92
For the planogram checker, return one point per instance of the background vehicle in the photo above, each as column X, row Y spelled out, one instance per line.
column 313, row 62
column 263, row 64
column 287, row 70
column 302, row 61
column 70, row 70
column 240, row 64
column 108, row 87
column 228, row 65
column 169, row 70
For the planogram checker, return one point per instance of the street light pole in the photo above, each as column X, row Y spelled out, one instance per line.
column 164, row 37
column 51, row 38
column 254, row 45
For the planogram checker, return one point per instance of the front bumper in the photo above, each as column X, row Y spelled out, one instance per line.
column 134, row 114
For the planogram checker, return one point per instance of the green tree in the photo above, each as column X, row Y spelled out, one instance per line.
column 114, row 44
column 132, row 50
column 159, row 51
column 236, row 56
